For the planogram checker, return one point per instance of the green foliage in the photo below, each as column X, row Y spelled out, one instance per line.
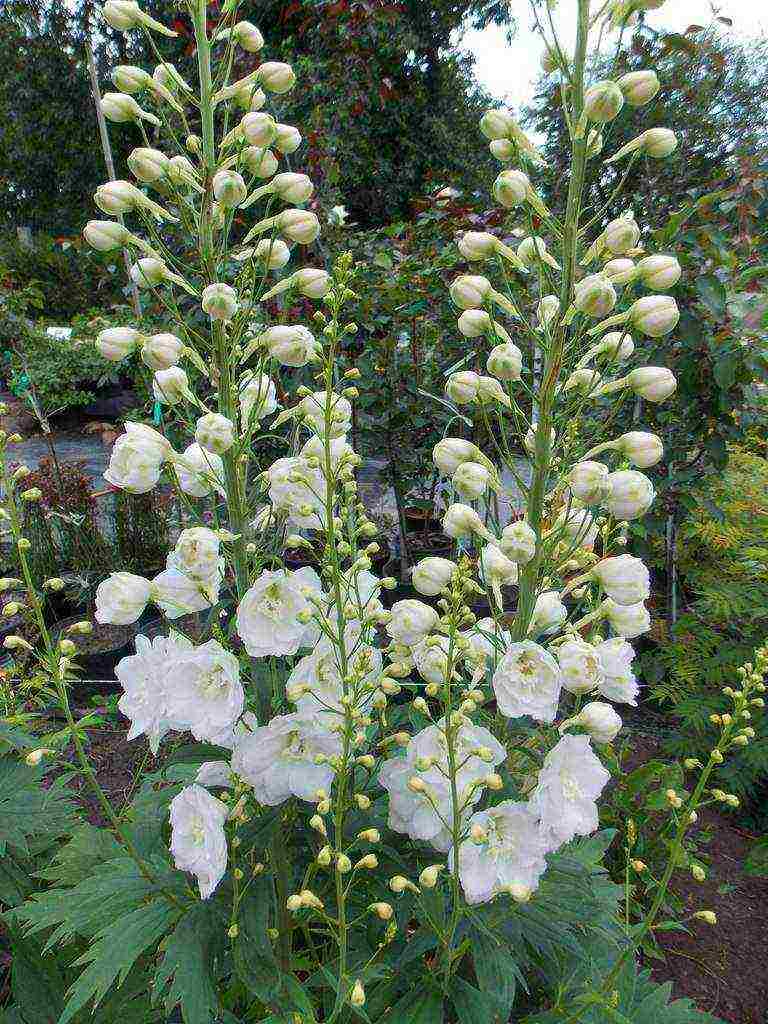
column 69, row 276
column 723, row 565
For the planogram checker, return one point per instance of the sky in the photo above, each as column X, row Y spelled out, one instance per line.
column 509, row 72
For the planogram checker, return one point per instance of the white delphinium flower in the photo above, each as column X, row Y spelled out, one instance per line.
column 203, row 691
column 431, row 659
column 427, row 813
column 497, row 570
column 258, row 397
column 549, row 613
column 268, row 614
column 141, row 675
column 518, row 542
column 215, row 433
column 510, row 858
column 431, row 575
column 624, row 578
column 588, row 481
column 298, row 490
column 198, row 840
column 137, row 459
column 618, row 682
column 598, row 719
column 196, row 553
column 313, row 409
column 631, row 494
column 199, row 471
column 578, row 525
column 214, row 773
column 580, row 666
column 628, row 620
column 288, row 757
column 569, row 783
column 176, row 593
column 121, row 598
column 527, row 681
column 316, row 686
column 487, row 643
column 411, row 622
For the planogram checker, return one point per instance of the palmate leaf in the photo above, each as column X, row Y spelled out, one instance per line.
column 114, row 951
column 187, row 966
column 37, row 985
column 27, row 810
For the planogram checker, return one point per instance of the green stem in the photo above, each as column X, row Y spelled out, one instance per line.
column 554, row 356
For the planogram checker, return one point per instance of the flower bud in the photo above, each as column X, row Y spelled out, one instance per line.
column 215, row 432
column 121, row 108
column 131, row 79
column 219, row 301
column 505, row 361
column 518, row 542
column 698, row 872
column 115, row 343
column 470, row 291
column 628, row 621
column 259, row 128
column 291, row 188
column 462, row 521
column 161, row 351
column 126, row 14
column 247, row 36
column 622, row 234
column 429, row 876
column 148, row 165
column 620, row 271
column 382, row 910
column 588, row 481
column 534, row 249
column 616, row 345
column 357, row 995
column 105, row 235
column 259, row 161
column 655, row 315
column 639, row 866
column 432, row 575
column 631, row 494
column 503, row 150
column 229, row 189
column 659, row 272
column 511, row 188
column 497, row 124
column 474, row 323
column 276, row 77
column 287, row 139
column 641, row 448
column 599, row 720
column 624, row 578
column 489, row 390
column 654, row 383
column 471, row 480
column 594, row 295
column 639, row 87
column 657, row 143
column 170, row 386
column 462, row 387
column 603, row 101
column 547, row 310
column 449, row 453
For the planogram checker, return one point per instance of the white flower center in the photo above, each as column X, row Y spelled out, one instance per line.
column 197, row 831
column 571, row 789
column 213, row 683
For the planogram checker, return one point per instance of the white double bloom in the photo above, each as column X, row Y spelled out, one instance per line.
column 198, row 841
column 569, row 783
column 527, row 681
column 267, row 616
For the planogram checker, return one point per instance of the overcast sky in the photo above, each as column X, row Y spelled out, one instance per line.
column 510, row 72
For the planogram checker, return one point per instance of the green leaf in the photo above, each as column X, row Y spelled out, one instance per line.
column 712, row 293
column 497, row 974
column 471, row 1005
column 187, row 966
column 419, row 1006
column 36, row 983
column 253, row 956
column 757, row 859
column 86, row 847
column 115, row 950
column 383, row 260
